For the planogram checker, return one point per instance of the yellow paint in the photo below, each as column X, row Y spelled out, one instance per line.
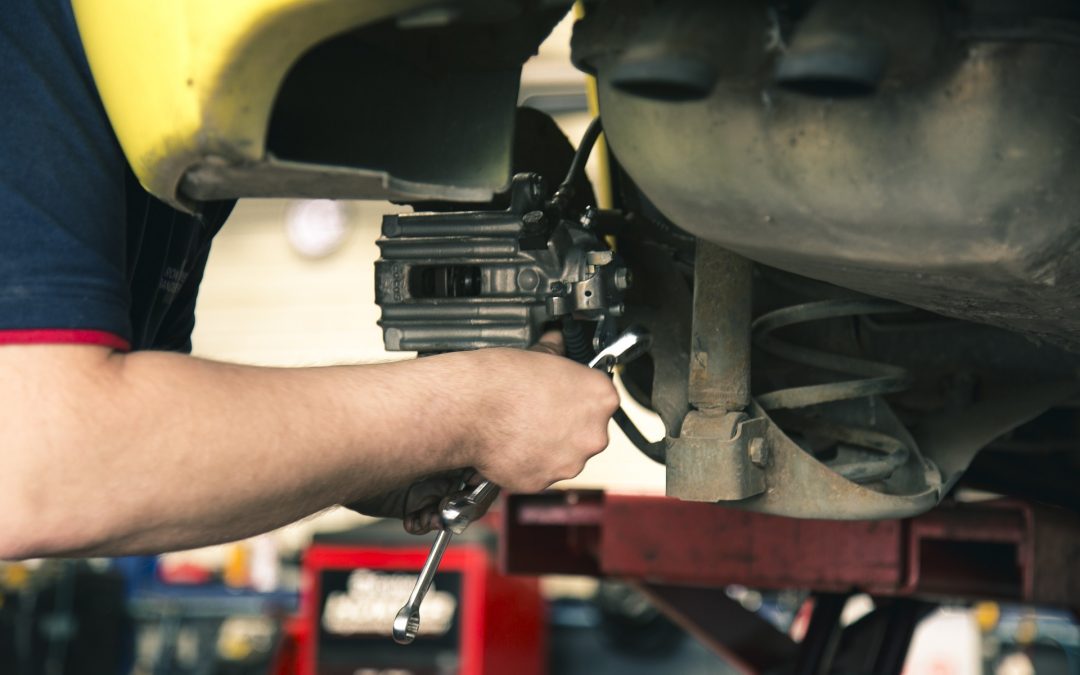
column 185, row 79
column 987, row 615
column 14, row 576
column 237, row 570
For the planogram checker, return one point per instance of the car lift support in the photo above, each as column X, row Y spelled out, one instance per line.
column 684, row 554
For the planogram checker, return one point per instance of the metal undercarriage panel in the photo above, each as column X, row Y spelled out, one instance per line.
column 950, row 185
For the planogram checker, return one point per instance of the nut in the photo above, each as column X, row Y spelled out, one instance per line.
column 533, row 219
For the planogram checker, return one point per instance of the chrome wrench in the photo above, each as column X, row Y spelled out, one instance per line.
column 459, row 511
column 462, row 508
column 631, row 343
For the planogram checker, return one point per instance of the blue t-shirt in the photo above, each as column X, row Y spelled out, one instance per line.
column 86, row 255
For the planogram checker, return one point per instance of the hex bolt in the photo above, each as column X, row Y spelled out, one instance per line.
column 533, row 220
column 759, row 452
column 617, row 310
column 623, row 278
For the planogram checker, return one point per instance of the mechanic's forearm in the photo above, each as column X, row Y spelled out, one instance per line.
column 179, row 452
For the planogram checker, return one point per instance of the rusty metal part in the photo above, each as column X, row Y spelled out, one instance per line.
column 799, row 485
column 874, row 379
column 720, row 346
column 725, row 454
column 874, row 469
column 868, row 456
column 683, row 555
column 713, row 459
column 863, row 455
column 1001, row 549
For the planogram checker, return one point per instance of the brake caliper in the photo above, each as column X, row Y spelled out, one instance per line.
column 472, row 279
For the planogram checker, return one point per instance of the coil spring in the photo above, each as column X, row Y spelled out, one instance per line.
column 871, row 379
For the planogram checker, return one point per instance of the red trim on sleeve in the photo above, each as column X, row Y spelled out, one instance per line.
column 63, row 336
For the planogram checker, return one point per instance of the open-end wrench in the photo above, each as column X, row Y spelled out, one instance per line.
column 407, row 621
column 462, row 508
column 459, row 511
column 631, row 343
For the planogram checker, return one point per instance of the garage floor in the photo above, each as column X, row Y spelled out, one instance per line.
column 583, row 651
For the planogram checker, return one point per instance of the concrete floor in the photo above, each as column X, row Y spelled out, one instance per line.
column 577, row 651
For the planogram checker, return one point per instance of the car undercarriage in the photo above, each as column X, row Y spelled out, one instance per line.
column 849, row 228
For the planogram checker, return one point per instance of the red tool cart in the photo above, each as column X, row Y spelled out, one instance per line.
column 474, row 621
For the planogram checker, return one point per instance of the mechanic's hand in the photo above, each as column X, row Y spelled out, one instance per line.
column 418, row 505
column 543, row 415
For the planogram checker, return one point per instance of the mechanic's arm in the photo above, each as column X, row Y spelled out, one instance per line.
column 107, row 453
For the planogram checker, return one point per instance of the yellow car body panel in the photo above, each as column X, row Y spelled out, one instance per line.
column 182, row 80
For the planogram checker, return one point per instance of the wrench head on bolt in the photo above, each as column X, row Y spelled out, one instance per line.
column 631, row 343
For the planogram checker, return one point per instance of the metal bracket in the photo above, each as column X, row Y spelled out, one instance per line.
column 729, row 448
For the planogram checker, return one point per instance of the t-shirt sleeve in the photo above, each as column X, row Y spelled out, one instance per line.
column 62, row 207
column 179, row 324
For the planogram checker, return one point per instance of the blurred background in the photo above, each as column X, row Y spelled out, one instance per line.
column 290, row 283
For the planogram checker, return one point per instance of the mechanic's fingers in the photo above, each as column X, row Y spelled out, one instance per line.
column 427, row 517
column 422, row 521
column 429, row 490
column 550, row 342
